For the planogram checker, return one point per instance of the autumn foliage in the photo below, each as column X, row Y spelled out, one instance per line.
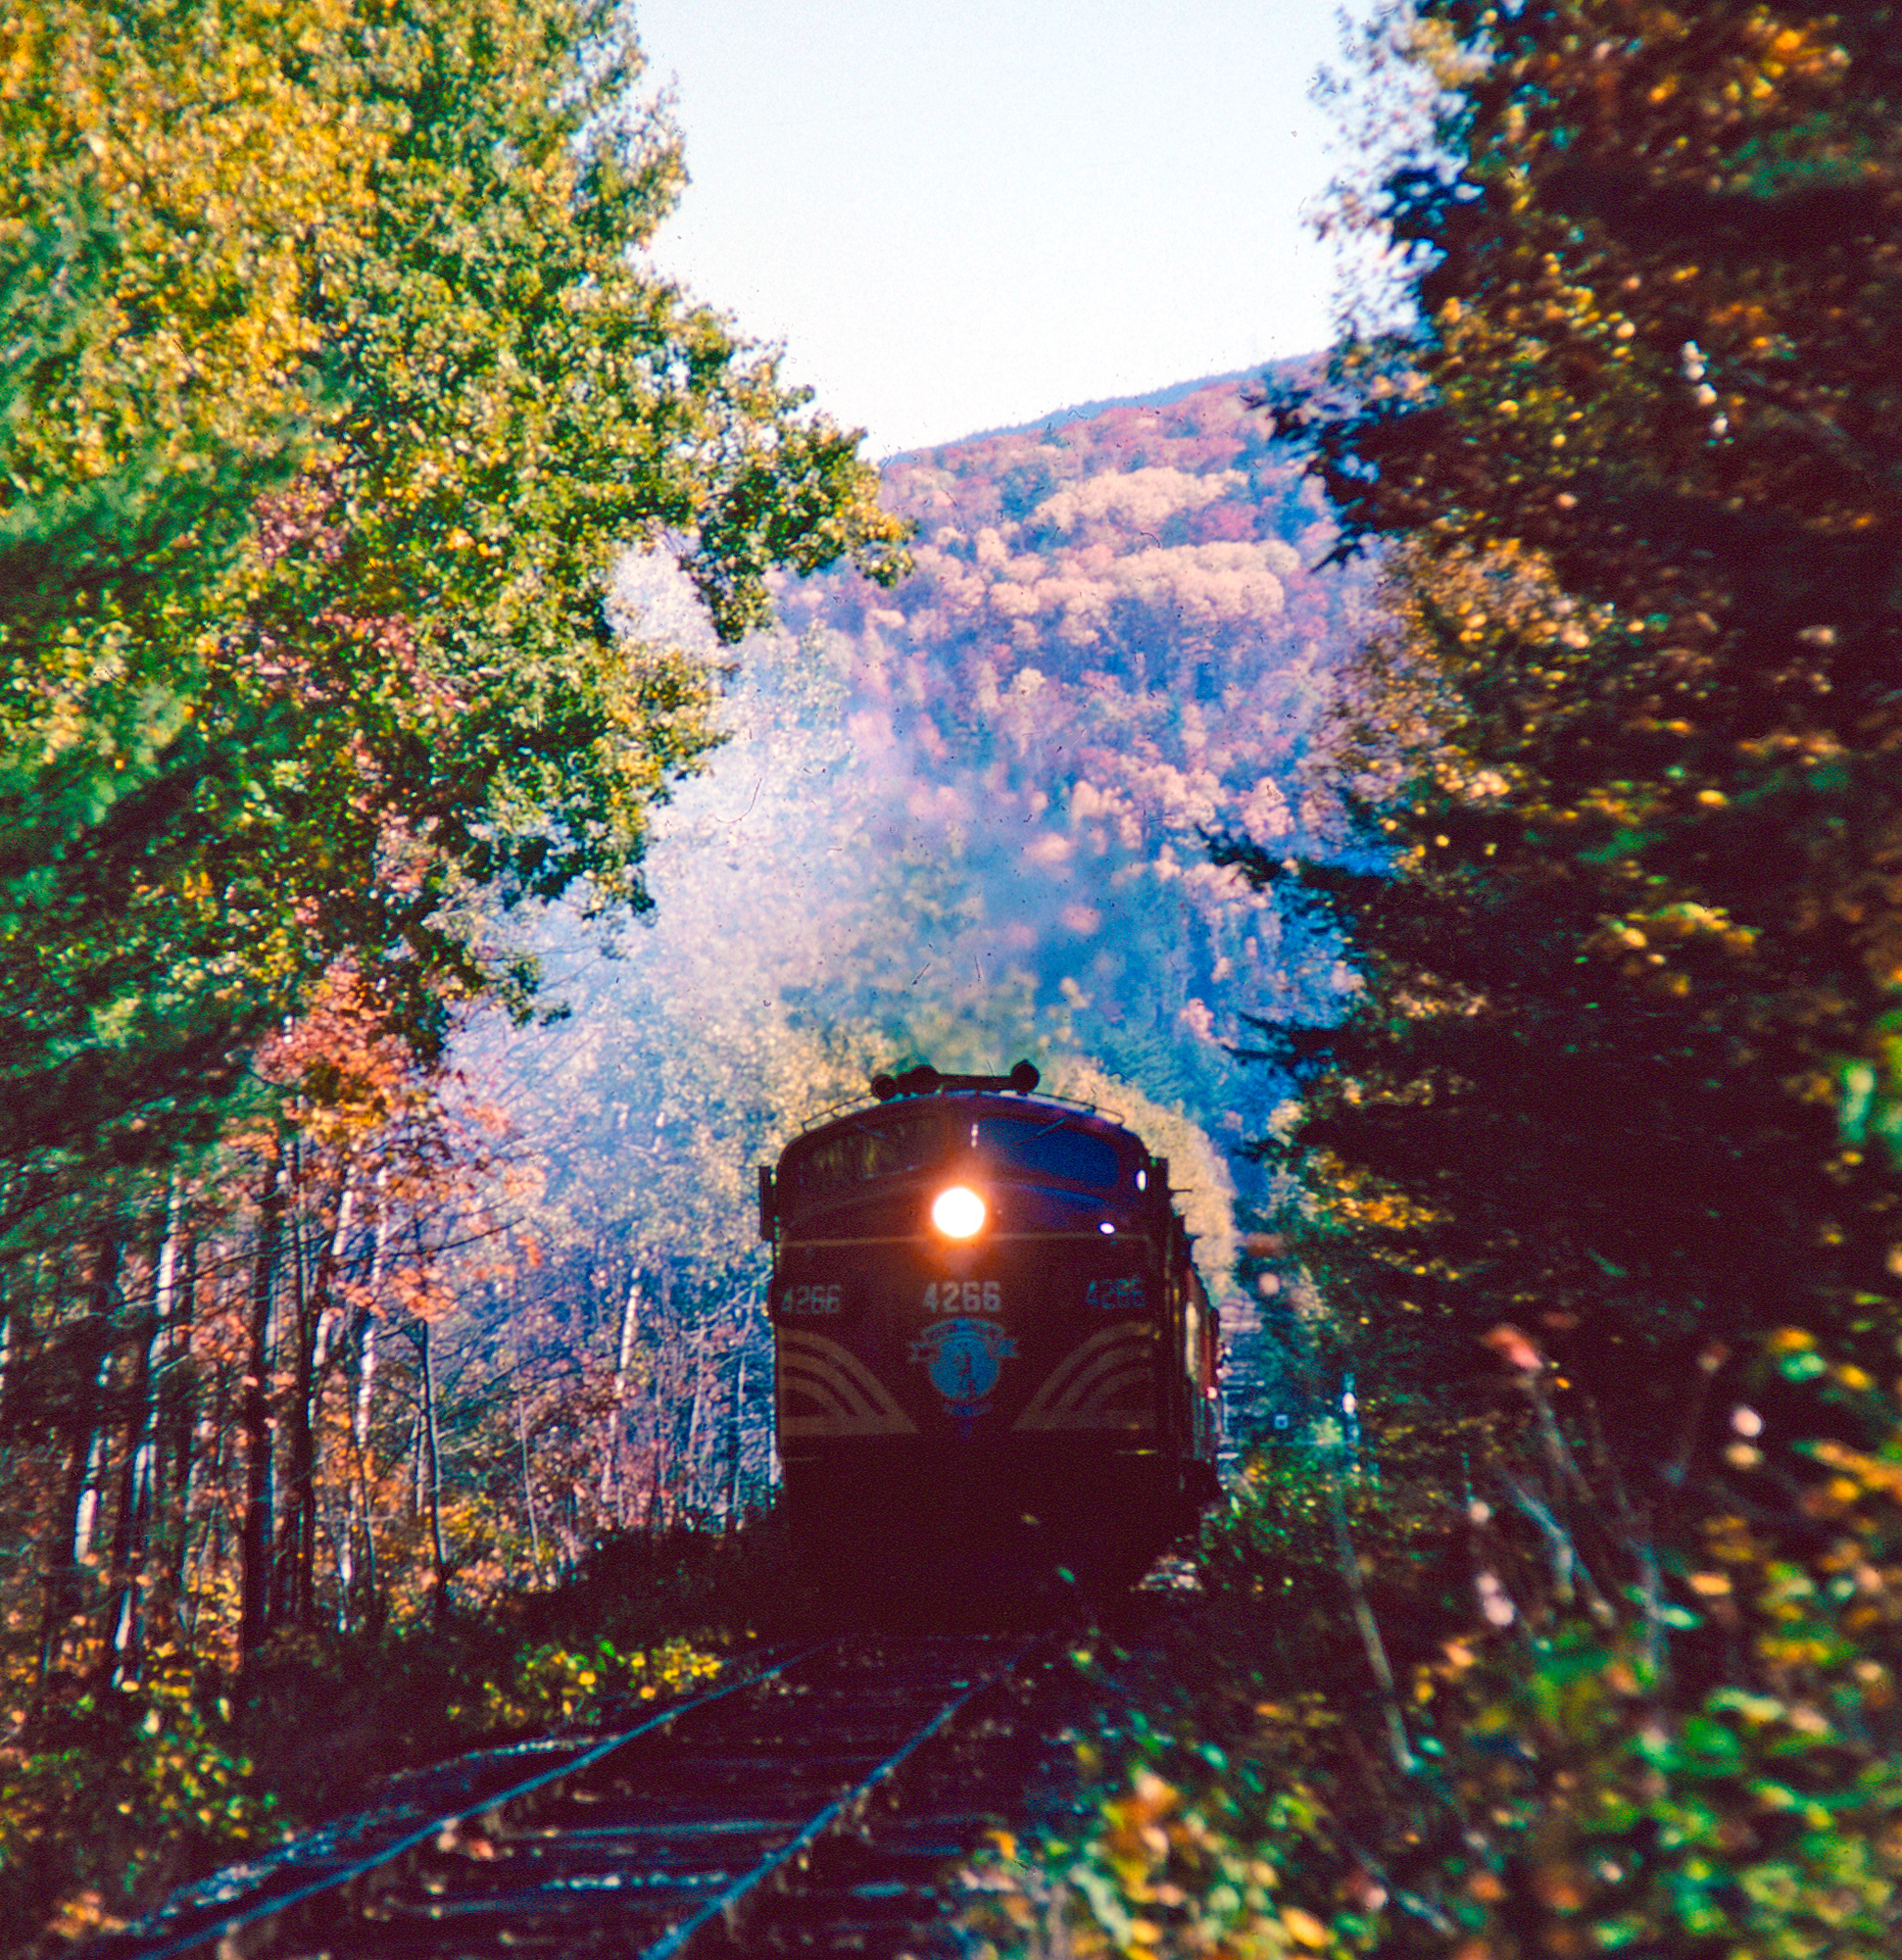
column 1631, row 745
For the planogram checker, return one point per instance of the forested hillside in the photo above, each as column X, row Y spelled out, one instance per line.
column 1116, row 643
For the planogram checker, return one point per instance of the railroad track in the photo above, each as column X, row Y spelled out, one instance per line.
column 810, row 1807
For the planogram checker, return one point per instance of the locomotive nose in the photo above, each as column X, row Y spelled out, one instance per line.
column 958, row 1212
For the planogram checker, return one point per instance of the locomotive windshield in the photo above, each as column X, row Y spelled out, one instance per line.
column 1031, row 1144
column 853, row 1156
column 1049, row 1149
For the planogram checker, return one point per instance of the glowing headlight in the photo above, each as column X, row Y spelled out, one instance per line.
column 958, row 1212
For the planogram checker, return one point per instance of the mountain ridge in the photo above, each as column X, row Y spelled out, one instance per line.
column 1083, row 411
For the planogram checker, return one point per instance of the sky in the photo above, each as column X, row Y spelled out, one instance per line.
column 962, row 215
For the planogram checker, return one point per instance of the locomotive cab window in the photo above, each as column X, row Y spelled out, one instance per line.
column 1047, row 1150
column 861, row 1154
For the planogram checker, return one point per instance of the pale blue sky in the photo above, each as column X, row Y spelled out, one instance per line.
column 963, row 215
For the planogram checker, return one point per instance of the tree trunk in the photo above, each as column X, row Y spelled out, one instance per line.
column 613, row 1481
column 440, row 1600
column 296, row 1532
column 739, row 1442
column 360, row 1422
column 689, row 1482
column 655, row 1517
column 255, row 1545
column 292, row 1423
column 214, row 1440
column 137, row 1497
column 125, row 1619
column 92, row 1356
column 176, row 1460
column 529, row 1490
column 9, row 1335
column 660, row 1398
column 364, row 1408
column 93, row 1482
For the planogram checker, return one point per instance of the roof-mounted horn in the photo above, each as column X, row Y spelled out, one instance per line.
column 924, row 1080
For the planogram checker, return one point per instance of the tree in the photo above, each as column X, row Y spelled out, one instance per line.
column 1629, row 745
column 342, row 388
column 1591, row 1167
column 148, row 282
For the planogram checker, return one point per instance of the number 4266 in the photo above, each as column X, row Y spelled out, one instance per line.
column 964, row 1297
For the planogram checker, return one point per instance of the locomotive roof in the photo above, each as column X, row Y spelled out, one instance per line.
column 1004, row 1103
column 924, row 1088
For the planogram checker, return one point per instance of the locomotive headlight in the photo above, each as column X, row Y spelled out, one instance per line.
column 958, row 1212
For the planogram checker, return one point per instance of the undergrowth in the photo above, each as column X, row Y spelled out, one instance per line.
column 1513, row 1708
column 111, row 1795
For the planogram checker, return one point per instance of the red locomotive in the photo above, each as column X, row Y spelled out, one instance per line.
column 989, row 1334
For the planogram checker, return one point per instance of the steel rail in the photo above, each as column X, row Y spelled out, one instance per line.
column 671, row 1943
column 441, row 1828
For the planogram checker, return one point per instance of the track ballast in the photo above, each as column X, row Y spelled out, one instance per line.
column 813, row 1806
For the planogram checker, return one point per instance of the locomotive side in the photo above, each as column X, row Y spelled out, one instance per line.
column 989, row 1333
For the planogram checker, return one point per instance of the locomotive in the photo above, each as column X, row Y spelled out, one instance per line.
column 990, row 1338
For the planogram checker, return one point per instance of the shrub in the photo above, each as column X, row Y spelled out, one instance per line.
column 559, row 1682
column 122, row 1792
